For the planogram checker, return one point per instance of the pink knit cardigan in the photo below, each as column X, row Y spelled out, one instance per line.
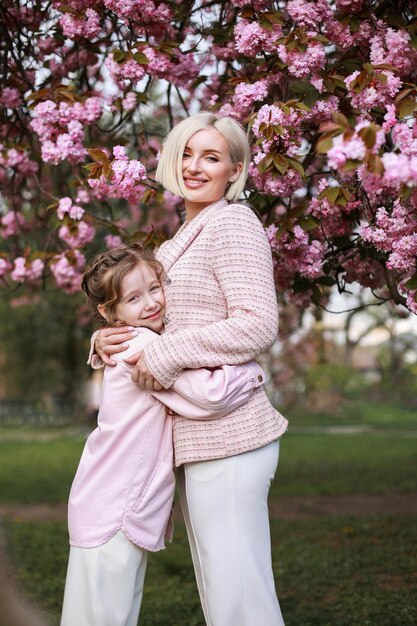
column 221, row 309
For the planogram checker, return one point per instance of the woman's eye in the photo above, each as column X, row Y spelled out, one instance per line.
column 212, row 158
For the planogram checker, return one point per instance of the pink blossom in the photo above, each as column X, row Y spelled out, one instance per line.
column 257, row 4
column 47, row 45
column 75, row 27
column 60, row 128
column 294, row 254
column 125, row 181
column 77, row 234
column 17, row 164
column 113, row 241
column 275, row 184
column 66, row 207
column 394, row 232
column 350, row 6
column 129, row 70
column 345, row 149
column 399, row 169
column 5, row 266
column 24, row 270
column 10, row 97
column 129, row 102
column 309, row 15
column 404, row 138
column 380, row 90
column 251, row 39
column 11, row 224
column 145, row 10
column 246, row 94
column 390, row 118
column 393, row 47
column 66, row 269
column 301, row 64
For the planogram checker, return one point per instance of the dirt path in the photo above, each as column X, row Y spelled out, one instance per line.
column 284, row 507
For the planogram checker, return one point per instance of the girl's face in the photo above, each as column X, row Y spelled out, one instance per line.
column 207, row 168
column 142, row 301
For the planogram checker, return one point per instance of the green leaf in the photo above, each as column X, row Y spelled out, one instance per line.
column 411, row 283
column 368, row 135
column 141, row 58
column 351, row 164
column 296, row 165
column 331, row 194
column 407, row 107
column 308, row 223
column 119, row 56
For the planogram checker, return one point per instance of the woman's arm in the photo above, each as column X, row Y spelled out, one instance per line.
column 242, row 263
column 107, row 342
column 209, row 394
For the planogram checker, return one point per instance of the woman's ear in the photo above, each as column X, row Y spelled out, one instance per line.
column 103, row 311
column 236, row 172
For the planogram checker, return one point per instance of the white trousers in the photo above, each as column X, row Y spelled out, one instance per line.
column 104, row 585
column 225, row 508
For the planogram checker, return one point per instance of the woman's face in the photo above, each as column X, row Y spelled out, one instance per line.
column 207, row 168
column 142, row 302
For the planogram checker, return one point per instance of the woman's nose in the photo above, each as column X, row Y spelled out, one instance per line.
column 193, row 164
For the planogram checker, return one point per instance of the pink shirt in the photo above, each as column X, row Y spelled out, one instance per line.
column 125, row 479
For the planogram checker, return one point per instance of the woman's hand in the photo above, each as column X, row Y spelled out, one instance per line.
column 141, row 374
column 111, row 341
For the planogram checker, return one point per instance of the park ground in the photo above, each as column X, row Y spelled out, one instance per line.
column 343, row 522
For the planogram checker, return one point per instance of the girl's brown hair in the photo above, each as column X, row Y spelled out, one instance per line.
column 102, row 280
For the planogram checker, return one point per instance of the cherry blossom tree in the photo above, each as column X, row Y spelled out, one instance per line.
column 326, row 89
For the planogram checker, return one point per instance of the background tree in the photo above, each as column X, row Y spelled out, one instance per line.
column 327, row 90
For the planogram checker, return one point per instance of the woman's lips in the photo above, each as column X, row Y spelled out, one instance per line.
column 194, row 182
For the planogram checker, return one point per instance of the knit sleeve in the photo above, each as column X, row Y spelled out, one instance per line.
column 241, row 261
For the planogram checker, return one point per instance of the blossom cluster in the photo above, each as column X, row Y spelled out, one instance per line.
column 67, row 270
column 126, row 180
column 75, row 27
column 326, row 90
column 60, row 128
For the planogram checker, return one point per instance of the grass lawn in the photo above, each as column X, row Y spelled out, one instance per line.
column 338, row 572
column 329, row 571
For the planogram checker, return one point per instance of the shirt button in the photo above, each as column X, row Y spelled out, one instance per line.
column 260, row 378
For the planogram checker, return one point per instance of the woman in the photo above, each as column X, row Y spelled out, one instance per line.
column 221, row 309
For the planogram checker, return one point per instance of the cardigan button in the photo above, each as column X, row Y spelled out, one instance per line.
column 260, row 378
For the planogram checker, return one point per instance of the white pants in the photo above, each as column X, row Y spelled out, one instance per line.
column 104, row 585
column 226, row 513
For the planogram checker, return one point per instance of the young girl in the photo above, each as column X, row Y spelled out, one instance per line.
column 121, row 498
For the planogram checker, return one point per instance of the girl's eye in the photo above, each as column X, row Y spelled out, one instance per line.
column 212, row 158
column 186, row 155
column 156, row 288
column 133, row 298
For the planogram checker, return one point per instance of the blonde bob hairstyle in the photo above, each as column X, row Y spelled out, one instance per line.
column 169, row 170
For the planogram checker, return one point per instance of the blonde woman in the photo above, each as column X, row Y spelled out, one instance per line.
column 220, row 309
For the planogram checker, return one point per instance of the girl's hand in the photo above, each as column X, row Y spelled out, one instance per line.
column 111, row 341
column 141, row 375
